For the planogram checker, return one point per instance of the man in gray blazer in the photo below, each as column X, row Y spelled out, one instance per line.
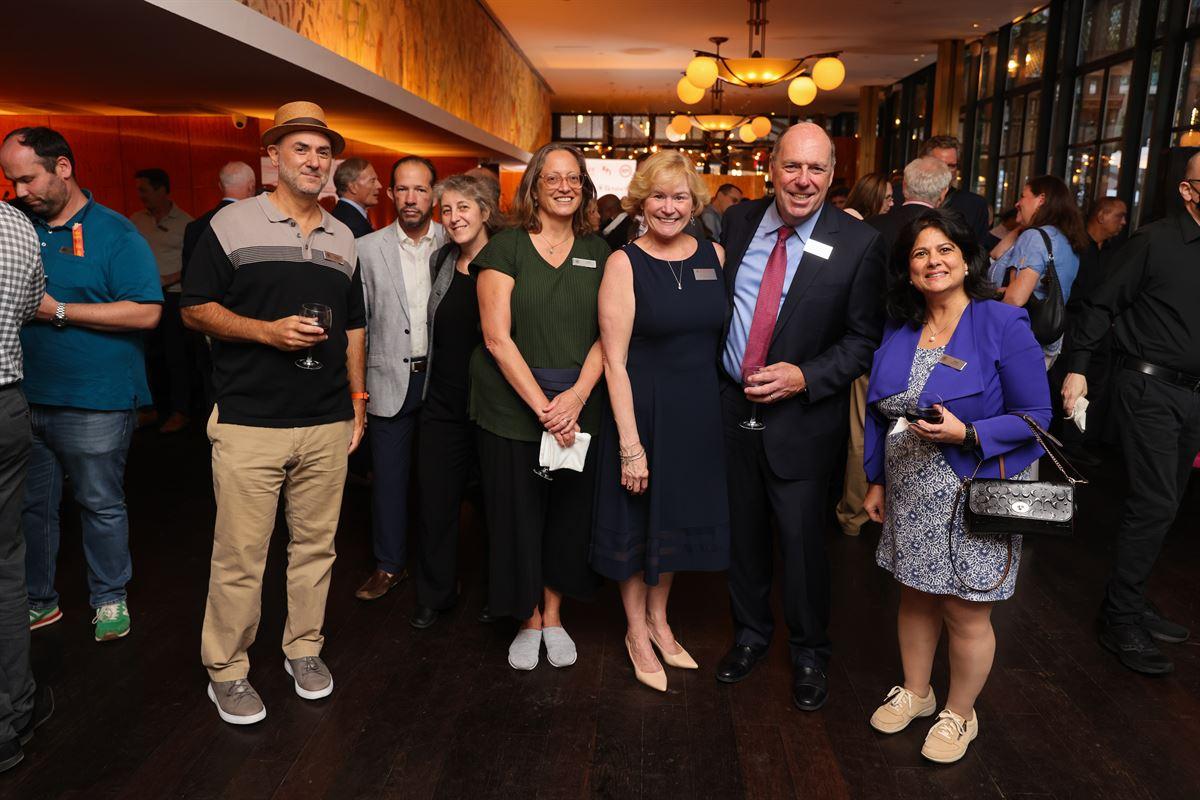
column 394, row 264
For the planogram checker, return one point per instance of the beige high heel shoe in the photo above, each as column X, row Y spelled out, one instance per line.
column 680, row 660
column 655, row 680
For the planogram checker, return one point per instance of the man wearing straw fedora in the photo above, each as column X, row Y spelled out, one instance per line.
column 274, row 284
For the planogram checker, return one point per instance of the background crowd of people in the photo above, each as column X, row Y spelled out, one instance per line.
column 664, row 382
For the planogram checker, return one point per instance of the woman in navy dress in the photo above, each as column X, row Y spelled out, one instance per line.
column 661, row 504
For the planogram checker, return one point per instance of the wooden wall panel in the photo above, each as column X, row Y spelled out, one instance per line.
column 213, row 143
column 161, row 142
column 96, row 142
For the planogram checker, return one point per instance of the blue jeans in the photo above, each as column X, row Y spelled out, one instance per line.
column 90, row 447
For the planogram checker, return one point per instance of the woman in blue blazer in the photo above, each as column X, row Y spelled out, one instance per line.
column 949, row 347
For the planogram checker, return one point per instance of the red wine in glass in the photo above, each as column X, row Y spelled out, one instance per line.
column 321, row 316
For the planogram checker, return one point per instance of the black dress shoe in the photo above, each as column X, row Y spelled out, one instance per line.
column 485, row 616
column 422, row 617
column 739, row 661
column 1135, row 648
column 810, row 688
column 43, row 708
column 1162, row 629
column 11, row 754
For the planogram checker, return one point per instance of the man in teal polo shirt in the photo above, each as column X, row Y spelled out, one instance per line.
column 84, row 373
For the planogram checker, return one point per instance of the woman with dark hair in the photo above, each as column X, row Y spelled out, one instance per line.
column 1020, row 258
column 962, row 366
column 871, row 196
column 446, row 437
column 538, row 284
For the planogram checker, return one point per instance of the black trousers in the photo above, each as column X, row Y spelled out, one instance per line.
column 16, row 675
column 756, row 496
column 392, row 442
column 171, row 356
column 1160, row 436
column 446, row 457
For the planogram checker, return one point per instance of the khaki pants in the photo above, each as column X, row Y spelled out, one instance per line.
column 850, row 514
column 250, row 465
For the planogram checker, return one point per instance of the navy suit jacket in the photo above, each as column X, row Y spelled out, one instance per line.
column 354, row 220
column 829, row 325
column 1005, row 375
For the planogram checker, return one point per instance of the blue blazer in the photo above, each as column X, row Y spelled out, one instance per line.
column 1005, row 374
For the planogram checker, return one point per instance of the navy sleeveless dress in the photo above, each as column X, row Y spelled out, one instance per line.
column 681, row 522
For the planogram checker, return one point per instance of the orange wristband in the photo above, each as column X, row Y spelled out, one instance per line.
column 360, row 396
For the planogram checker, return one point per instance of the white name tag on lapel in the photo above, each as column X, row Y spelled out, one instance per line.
column 583, row 262
column 818, row 249
column 702, row 274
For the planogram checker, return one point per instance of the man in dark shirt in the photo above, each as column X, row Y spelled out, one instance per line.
column 280, row 423
column 1152, row 302
column 973, row 207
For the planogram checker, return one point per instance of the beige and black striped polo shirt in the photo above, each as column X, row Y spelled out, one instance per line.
column 256, row 262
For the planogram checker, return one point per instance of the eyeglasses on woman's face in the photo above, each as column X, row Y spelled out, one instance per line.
column 554, row 180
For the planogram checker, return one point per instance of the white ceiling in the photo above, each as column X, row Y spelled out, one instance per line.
column 627, row 55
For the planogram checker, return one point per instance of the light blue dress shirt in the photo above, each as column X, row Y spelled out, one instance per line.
column 749, row 278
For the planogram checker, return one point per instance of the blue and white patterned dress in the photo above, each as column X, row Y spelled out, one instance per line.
column 920, row 488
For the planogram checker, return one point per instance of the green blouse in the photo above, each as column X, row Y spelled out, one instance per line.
column 554, row 325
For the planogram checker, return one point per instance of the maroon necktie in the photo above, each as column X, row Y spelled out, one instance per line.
column 766, row 308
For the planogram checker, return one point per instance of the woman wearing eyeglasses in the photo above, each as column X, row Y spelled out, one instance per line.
column 538, row 371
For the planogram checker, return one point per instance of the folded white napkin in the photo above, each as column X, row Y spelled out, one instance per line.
column 554, row 456
column 1079, row 415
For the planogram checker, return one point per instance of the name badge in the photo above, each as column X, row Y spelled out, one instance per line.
column 583, row 262
column 818, row 249
column 335, row 258
column 952, row 362
column 709, row 274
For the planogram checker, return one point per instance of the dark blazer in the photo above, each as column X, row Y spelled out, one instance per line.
column 829, row 325
column 890, row 224
column 1005, row 375
column 354, row 220
column 619, row 237
column 192, row 232
column 974, row 208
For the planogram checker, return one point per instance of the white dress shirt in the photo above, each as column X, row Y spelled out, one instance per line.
column 414, row 261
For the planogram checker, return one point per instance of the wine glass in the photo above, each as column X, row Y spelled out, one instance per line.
column 748, row 373
column 321, row 316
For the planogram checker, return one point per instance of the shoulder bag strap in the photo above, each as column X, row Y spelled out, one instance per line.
column 1053, row 448
column 963, row 489
column 1051, row 272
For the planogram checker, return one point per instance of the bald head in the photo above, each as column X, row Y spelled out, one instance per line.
column 802, row 164
column 237, row 180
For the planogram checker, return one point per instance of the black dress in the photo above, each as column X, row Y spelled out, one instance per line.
column 682, row 521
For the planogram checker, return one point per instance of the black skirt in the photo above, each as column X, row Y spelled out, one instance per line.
column 539, row 531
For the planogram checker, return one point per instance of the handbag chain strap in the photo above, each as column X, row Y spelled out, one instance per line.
column 1045, row 440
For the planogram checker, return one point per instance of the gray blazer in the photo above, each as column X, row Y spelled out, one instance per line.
column 442, row 263
column 389, row 344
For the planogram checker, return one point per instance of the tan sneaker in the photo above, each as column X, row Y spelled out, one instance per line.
column 947, row 740
column 312, row 677
column 237, row 702
column 901, row 707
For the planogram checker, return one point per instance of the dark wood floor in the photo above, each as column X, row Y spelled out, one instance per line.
column 439, row 714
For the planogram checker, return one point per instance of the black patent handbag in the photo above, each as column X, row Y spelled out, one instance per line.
column 1001, row 506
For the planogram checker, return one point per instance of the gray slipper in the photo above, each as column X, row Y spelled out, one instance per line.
column 560, row 649
column 524, row 650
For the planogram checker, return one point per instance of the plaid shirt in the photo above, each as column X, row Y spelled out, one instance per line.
column 22, row 284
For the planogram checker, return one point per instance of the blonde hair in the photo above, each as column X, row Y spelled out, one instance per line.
column 524, row 211
column 657, row 170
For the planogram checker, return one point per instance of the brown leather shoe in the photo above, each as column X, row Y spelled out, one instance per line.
column 379, row 584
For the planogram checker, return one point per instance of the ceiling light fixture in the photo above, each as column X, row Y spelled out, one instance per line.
column 757, row 70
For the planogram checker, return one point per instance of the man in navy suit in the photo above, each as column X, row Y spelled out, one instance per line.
column 805, row 283
column 357, row 188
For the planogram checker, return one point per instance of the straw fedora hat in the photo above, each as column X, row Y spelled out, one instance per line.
column 302, row 116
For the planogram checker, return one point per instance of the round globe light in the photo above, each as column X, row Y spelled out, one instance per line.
column 802, row 90
column 761, row 126
column 680, row 124
column 828, row 73
column 688, row 92
column 702, row 71
column 746, row 133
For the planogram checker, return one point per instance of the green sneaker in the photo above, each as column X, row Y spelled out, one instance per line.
column 41, row 617
column 112, row 621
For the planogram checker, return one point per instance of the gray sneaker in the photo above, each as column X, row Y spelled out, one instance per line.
column 312, row 677
column 237, row 702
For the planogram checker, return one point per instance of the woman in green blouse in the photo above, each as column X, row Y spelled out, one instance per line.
column 537, row 371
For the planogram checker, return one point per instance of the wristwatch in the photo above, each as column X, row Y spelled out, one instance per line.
column 59, row 320
column 970, row 438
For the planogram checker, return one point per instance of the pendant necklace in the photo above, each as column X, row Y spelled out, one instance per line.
column 553, row 247
column 678, row 276
column 934, row 334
